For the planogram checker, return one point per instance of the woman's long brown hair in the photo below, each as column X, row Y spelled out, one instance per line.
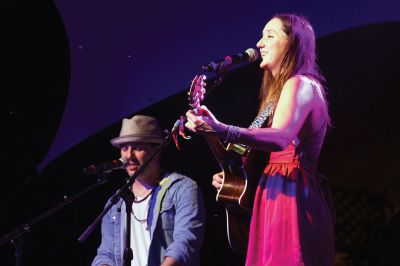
column 300, row 59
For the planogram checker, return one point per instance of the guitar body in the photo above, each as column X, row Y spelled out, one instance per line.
column 236, row 193
column 234, row 186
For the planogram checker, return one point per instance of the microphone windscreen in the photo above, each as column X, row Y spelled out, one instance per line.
column 124, row 162
column 253, row 54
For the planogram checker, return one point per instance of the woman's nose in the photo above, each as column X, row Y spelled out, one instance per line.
column 260, row 44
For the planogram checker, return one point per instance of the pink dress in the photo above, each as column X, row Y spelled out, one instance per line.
column 293, row 219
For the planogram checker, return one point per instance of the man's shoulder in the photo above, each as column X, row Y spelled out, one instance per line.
column 183, row 188
column 181, row 179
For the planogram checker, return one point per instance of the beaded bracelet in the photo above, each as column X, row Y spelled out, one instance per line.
column 232, row 134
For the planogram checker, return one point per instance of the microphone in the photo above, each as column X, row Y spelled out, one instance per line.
column 105, row 167
column 220, row 66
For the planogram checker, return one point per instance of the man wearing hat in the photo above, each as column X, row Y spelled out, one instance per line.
column 168, row 214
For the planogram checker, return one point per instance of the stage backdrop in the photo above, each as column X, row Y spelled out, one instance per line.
column 127, row 55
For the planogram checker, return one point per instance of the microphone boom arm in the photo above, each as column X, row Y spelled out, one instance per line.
column 17, row 233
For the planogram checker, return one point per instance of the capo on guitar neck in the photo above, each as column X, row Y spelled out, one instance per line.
column 240, row 149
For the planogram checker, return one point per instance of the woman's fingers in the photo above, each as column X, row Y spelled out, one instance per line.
column 218, row 179
column 192, row 121
column 216, row 185
column 202, row 121
column 195, row 122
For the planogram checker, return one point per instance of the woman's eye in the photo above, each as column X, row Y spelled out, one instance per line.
column 270, row 36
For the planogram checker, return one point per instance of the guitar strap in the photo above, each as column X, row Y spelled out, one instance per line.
column 262, row 117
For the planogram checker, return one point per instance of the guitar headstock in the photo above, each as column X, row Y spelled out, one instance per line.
column 197, row 91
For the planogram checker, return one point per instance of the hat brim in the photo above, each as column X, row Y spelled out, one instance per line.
column 118, row 142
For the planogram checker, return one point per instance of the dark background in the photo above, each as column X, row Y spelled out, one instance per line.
column 359, row 157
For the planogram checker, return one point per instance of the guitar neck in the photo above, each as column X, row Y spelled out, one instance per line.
column 218, row 149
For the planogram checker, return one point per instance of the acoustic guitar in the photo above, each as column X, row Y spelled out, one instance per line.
column 238, row 188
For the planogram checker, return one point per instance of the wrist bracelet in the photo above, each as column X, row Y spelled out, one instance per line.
column 232, row 134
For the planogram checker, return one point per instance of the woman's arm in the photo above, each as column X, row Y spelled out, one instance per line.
column 295, row 104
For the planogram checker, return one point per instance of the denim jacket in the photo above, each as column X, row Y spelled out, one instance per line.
column 176, row 219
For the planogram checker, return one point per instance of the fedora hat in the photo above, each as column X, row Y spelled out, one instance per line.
column 139, row 128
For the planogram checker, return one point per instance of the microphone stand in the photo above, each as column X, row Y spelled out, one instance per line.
column 16, row 235
column 220, row 70
column 127, row 195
